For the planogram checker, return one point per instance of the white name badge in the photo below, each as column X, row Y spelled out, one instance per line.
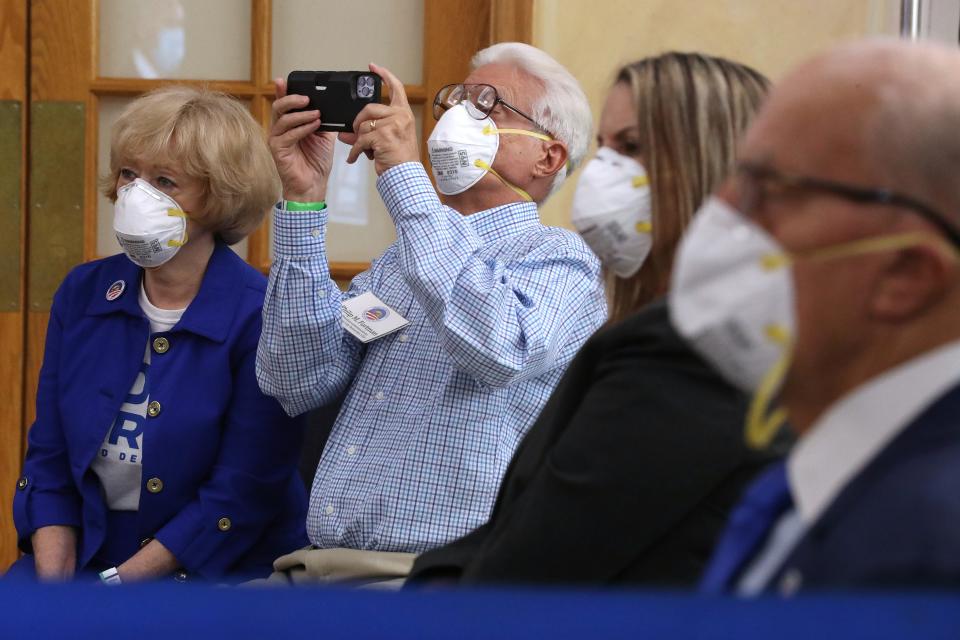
column 368, row 318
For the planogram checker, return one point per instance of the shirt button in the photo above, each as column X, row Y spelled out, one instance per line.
column 328, row 509
column 154, row 485
column 224, row 524
column 351, row 450
column 379, row 395
column 180, row 576
column 161, row 345
column 315, row 233
column 404, row 337
column 22, row 483
column 153, row 409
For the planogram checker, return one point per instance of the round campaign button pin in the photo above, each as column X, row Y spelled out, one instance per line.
column 376, row 313
column 116, row 290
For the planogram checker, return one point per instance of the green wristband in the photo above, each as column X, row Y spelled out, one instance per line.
column 293, row 205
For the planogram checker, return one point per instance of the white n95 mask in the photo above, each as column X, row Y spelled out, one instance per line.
column 150, row 226
column 462, row 150
column 612, row 212
column 731, row 298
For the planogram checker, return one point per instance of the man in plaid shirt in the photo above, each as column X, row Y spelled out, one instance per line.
column 497, row 305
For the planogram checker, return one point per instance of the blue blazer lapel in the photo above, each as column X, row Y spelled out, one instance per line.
column 937, row 425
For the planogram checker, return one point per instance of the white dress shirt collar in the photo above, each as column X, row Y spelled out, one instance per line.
column 857, row 427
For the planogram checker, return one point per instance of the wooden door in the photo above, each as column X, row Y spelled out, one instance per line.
column 13, row 126
column 88, row 58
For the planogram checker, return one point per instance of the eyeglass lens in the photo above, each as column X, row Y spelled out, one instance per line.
column 479, row 99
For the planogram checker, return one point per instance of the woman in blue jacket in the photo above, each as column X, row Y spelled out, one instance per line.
column 154, row 453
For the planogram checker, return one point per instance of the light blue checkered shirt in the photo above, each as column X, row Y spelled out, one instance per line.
column 498, row 305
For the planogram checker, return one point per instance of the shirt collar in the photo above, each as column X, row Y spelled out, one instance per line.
column 856, row 428
column 210, row 314
column 503, row 221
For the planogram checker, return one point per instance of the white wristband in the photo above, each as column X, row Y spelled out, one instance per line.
column 111, row 576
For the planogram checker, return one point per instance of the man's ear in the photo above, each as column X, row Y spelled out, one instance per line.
column 915, row 280
column 553, row 159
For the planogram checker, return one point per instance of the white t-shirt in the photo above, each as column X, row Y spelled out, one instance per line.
column 118, row 464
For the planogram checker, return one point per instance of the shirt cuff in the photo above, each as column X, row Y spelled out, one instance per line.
column 406, row 189
column 296, row 235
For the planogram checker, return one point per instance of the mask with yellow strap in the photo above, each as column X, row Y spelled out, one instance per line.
column 462, row 149
column 732, row 299
column 150, row 226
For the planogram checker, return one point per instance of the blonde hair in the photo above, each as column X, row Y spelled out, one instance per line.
column 692, row 110
column 210, row 137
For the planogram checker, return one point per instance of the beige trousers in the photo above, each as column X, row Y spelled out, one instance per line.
column 349, row 567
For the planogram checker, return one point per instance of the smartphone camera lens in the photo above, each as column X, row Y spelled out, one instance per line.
column 365, row 86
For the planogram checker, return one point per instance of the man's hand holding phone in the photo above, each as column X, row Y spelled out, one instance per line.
column 387, row 132
column 304, row 157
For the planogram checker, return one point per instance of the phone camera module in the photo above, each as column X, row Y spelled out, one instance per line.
column 365, row 86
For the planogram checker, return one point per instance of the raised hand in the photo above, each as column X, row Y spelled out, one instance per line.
column 303, row 157
column 388, row 133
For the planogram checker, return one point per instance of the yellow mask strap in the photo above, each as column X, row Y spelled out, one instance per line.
column 640, row 181
column 490, row 130
column 177, row 213
column 761, row 427
column 483, row 165
column 876, row 244
column 644, row 226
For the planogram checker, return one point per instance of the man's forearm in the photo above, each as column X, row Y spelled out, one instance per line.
column 301, row 300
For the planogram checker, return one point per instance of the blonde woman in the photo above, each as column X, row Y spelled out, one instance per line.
column 667, row 137
column 154, row 454
column 628, row 474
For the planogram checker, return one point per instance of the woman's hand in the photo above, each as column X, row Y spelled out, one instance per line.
column 303, row 157
column 152, row 561
column 54, row 553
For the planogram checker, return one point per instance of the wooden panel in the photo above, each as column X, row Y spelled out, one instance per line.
column 258, row 244
column 454, row 30
column 61, row 49
column 511, row 21
column 56, row 197
column 136, row 86
column 13, row 43
column 11, row 432
column 13, row 87
column 11, row 210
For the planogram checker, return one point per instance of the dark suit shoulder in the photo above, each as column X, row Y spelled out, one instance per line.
column 897, row 523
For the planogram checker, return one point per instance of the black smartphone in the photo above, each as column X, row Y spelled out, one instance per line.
column 339, row 95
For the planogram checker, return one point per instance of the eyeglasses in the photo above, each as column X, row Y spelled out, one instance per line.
column 480, row 100
column 761, row 178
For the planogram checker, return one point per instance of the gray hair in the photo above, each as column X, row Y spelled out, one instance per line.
column 562, row 108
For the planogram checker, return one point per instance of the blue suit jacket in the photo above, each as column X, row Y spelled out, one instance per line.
column 231, row 499
column 897, row 524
